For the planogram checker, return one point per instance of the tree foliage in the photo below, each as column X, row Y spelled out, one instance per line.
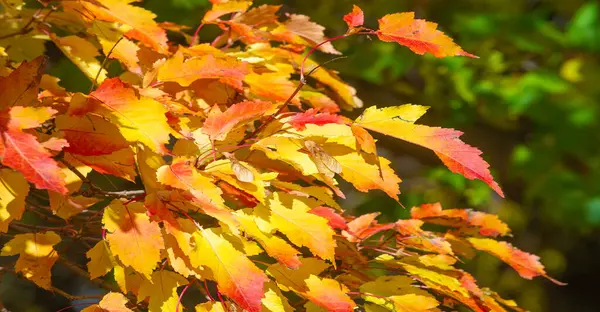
column 217, row 166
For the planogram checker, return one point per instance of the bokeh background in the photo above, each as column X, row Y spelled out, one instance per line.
column 531, row 103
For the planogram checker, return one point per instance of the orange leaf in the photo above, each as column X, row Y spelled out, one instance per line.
column 220, row 9
column 111, row 302
column 364, row 227
column 90, row 135
column 218, row 124
column 236, row 276
column 418, row 35
column 140, row 119
column 272, row 86
column 356, row 18
column 454, row 153
column 488, row 224
column 142, row 21
column 527, row 265
column 132, row 236
column 120, row 163
column 299, row 29
column 20, row 87
column 329, row 294
column 227, row 70
column 335, row 220
column 300, row 120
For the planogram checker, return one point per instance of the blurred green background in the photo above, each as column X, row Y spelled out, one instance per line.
column 531, row 103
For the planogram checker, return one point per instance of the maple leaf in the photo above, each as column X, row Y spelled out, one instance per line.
column 83, row 54
column 20, row 87
column 120, row 163
column 488, row 224
column 311, row 116
column 273, row 245
column 132, row 234
column 237, row 277
column 226, row 69
column 101, row 260
column 140, row 119
column 454, row 153
column 111, row 302
column 144, row 28
column 36, row 255
column 334, row 220
column 329, row 294
column 418, row 35
column 221, row 8
column 299, row 29
column 295, row 279
column 162, row 290
column 115, row 46
column 356, row 18
column 290, row 216
column 527, row 265
column 22, row 152
column 364, row 227
column 272, row 86
column 13, row 191
column 218, row 124
column 90, row 135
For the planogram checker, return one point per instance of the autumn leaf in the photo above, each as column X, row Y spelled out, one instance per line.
column 227, row 70
column 131, row 234
column 527, row 265
column 111, row 302
column 20, row 87
column 22, row 152
column 162, row 290
column 83, row 54
column 299, row 29
column 13, row 191
column 290, row 216
column 454, row 153
column 273, row 245
column 218, row 124
column 311, row 116
column 418, row 35
column 236, row 276
column 295, row 279
column 139, row 119
column 356, row 18
column 488, row 224
column 90, row 135
column 36, row 255
column 272, row 86
column 329, row 294
column 101, row 260
column 144, row 28
column 220, row 9
column 334, row 220
column 115, row 45
column 364, row 227
column 120, row 163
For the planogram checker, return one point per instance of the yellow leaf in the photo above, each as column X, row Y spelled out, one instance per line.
column 128, row 279
column 295, row 280
column 274, row 300
column 101, row 260
column 13, row 191
column 290, row 215
column 132, row 236
column 111, row 37
column 36, row 255
column 111, row 302
column 162, row 291
column 140, row 119
column 236, row 276
column 83, row 54
column 273, row 245
column 437, row 280
column 148, row 163
column 210, row 307
column 329, row 294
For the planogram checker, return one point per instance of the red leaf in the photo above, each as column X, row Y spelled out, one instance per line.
column 300, row 120
column 22, row 152
column 356, row 18
column 418, row 35
column 335, row 220
column 218, row 124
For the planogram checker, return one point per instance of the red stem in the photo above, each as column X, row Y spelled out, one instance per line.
column 195, row 37
column 181, row 295
column 313, row 49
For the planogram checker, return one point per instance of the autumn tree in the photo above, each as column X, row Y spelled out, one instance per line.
column 216, row 165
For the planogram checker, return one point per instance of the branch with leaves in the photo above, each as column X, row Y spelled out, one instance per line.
column 225, row 169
